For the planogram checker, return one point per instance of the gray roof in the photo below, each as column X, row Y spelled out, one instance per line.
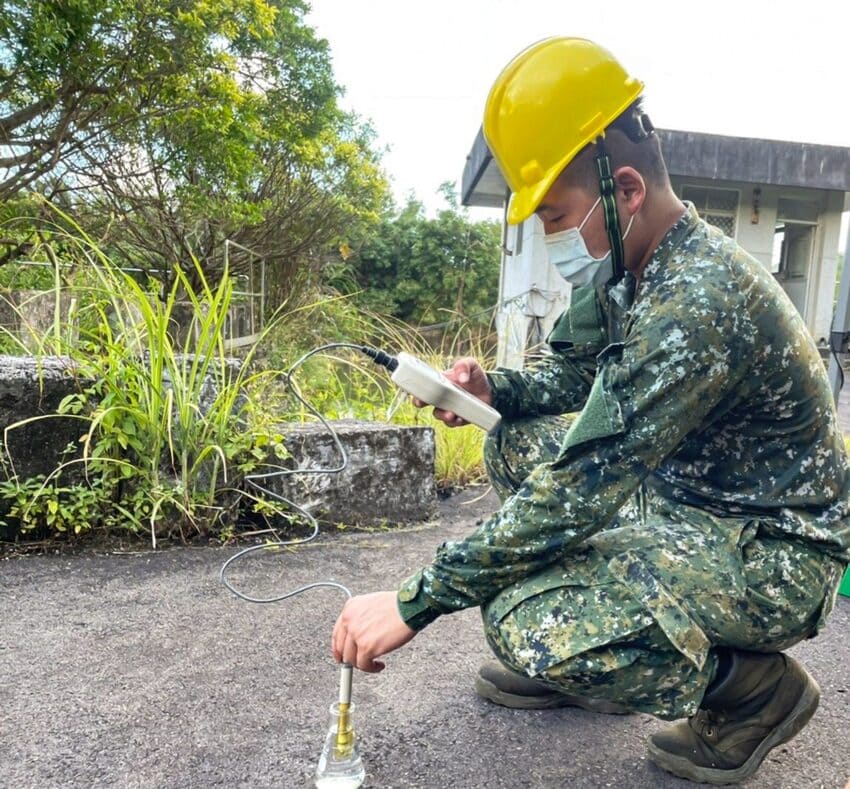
column 697, row 155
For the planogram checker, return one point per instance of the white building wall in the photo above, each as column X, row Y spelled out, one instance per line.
column 533, row 294
column 757, row 238
column 823, row 290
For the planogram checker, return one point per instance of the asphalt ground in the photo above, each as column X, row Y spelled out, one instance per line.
column 137, row 669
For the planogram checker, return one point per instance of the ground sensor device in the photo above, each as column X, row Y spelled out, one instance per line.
column 423, row 381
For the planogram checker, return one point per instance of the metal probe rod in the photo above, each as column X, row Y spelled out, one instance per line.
column 344, row 729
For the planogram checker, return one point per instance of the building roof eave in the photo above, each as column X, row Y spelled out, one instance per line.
column 697, row 155
column 756, row 161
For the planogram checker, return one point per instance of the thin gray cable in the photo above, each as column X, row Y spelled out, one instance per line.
column 255, row 481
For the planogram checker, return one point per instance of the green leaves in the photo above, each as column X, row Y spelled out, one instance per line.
column 41, row 506
column 170, row 126
column 429, row 271
column 170, row 425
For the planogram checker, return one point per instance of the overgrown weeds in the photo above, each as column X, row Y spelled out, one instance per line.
column 170, row 426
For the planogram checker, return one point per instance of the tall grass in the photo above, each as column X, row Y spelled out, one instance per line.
column 346, row 385
column 170, row 426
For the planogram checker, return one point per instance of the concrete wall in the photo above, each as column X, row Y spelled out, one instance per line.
column 822, row 291
column 533, row 294
column 389, row 478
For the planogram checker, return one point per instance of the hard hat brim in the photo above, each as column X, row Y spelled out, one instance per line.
column 524, row 202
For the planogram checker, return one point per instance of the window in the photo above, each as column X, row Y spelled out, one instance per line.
column 798, row 210
column 718, row 207
column 794, row 237
column 792, row 250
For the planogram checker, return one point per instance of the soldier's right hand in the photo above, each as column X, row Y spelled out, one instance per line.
column 468, row 374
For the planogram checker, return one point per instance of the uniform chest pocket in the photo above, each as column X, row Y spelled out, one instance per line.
column 581, row 327
column 602, row 414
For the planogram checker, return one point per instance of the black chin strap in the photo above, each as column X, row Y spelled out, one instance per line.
column 609, row 206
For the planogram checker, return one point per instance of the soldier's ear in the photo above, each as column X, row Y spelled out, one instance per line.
column 630, row 189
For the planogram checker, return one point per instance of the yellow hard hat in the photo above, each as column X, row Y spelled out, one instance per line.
column 548, row 103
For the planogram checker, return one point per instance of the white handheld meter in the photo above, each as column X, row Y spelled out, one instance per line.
column 426, row 383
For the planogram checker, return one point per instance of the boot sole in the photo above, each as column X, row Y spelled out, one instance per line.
column 487, row 690
column 785, row 731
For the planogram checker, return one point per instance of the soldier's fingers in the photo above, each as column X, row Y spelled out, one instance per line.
column 338, row 639
column 349, row 650
column 462, row 370
column 449, row 417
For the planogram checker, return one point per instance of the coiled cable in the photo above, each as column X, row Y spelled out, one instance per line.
column 256, row 480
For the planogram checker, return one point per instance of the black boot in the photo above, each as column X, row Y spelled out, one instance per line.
column 502, row 686
column 763, row 701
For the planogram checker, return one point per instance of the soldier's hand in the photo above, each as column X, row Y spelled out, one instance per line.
column 468, row 374
column 368, row 627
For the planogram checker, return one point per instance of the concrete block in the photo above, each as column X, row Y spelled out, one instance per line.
column 389, row 477
column 31, row 388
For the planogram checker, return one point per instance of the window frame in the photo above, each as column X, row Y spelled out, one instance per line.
column 705, row 212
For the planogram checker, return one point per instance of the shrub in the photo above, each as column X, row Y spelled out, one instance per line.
column 171, row 426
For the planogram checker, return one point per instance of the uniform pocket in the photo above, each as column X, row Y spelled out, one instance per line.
column 563, row 611
column 584, row 568
column 791, row 584
column 602, row 414
column 582, row 326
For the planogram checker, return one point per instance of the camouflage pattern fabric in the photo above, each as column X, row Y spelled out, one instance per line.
column 599, row 624
column 705, row 402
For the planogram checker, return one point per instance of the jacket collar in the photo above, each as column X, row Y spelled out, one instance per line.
column 668, row 245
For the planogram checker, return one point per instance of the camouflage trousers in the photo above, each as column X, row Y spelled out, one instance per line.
column 635, row 614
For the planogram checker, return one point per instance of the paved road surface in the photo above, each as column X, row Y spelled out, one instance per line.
column 138, row 670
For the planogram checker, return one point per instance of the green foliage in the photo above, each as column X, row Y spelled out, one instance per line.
column 22, row 276
column 171, row 425
column 81, row 75
column 41, row 507
column 166, row 128
column 429, row 271
column 343, row 384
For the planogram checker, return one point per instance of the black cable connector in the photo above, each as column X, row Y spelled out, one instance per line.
column 379, row 357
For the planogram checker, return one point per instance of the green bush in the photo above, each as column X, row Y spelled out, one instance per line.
column 171, row 426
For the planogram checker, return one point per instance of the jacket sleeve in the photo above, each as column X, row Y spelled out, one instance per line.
column 679, row 360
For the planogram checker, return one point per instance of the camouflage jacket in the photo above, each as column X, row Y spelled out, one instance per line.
column 709, row 391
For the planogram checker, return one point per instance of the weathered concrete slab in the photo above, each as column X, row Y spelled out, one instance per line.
column 389, row 476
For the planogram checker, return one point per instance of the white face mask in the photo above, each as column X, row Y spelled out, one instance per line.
column 568, row 253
